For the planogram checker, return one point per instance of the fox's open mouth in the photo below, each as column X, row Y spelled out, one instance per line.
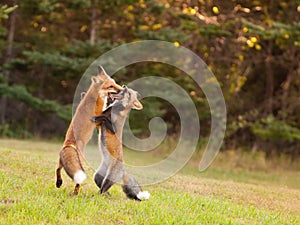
column 112, row 96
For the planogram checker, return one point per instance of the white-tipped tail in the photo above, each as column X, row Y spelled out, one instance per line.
column 143, row 195
column 79, row 177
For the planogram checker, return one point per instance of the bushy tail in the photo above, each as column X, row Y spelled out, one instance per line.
column 71, row 161
column 132, row 189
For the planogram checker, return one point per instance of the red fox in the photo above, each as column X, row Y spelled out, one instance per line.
column 112, row 122
column 81, row 128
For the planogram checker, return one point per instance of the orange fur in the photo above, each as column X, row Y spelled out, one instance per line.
column 114, row 146
column 81, row 128
column 99, row 106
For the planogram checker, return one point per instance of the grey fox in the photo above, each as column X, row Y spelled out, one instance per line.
column 112, row 122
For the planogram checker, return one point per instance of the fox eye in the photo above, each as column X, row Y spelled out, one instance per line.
column 111, row 86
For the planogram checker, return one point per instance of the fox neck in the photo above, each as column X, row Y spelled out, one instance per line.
column 118, row 124
column 118, row 121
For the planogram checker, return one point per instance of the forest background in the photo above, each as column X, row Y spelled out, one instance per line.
column 252, row 47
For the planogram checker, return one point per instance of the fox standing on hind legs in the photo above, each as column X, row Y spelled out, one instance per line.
column 81, row 128
column 112, row 122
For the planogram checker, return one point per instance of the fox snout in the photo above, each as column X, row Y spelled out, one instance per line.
column 112, row 87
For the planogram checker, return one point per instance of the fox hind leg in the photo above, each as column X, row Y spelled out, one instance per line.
column 98, row 178
column 101, row 172
column 113, row 174
column 76, row 189
column 58, row 175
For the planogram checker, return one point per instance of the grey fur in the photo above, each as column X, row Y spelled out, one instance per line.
column 112, row 170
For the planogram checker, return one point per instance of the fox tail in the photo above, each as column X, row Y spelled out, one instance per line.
column 132, row 189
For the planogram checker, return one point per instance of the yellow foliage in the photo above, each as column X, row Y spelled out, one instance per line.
column 35, row 24
column 237, row 83
column 130, row 16
column 253, row 39
column 211, row 79
column 144, row 27
column 189, row 10
column 193, row 11
column 215, row 10
column 240, row 83
column 130, row 8
column 258, row 47
column 176, row 43
column 156, row 26
column 39, row 17
column 245, row 29
column 283, row 4
column 83, row 28
column 250, row 44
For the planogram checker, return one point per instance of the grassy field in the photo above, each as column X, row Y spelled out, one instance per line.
column 221, row 195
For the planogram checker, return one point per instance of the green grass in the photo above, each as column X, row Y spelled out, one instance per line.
column 28, row 194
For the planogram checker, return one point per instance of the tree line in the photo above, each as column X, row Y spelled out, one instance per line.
column 252, row 47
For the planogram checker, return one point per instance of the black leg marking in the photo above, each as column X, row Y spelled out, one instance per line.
column 76, row 190
column 103, row 120
column 106, row 185
column 58, row 183
column 130, row 192
column 98, row 179
column 131, row 187
column 58, row 175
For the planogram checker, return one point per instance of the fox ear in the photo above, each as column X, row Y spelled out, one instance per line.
column 101, row 70
column 137, row 105
column 96, row 79
column 82, row 94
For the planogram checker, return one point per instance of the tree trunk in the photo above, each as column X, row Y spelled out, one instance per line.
column 269, row 81
column 93, row 23
column 285, row 88
column 8, row 56
column 293, row 72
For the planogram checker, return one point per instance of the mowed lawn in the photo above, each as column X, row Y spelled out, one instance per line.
column 28, row 195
